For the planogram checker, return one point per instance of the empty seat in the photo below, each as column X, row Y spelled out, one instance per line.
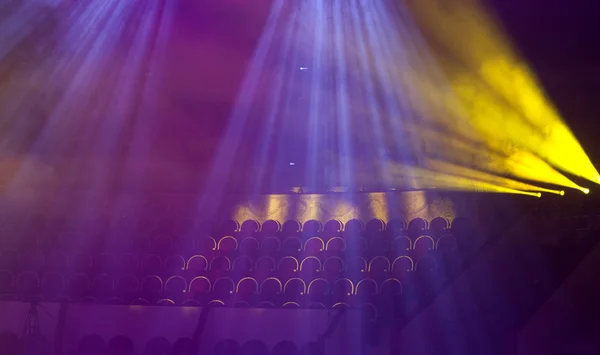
column 27, row 285
column 319, row 291
column 270, row 246
column 219, row 267
column 379, row 267
column 291, row 247
column 206, row 246
column 227, row 246
column 175, row 288
column 7, row 281
column 396, row 227
column 356, row 267
column 374, row 227
column 127, row 287
column 102, row 287
column 402, row 266
column 380, row 245
column 313, row 246
column 310, row 268
column 416, row 227
column 128, row 264
column 270, row 290
column 151, row 288
column 391, row 288
column 342, row 290
column 265, row 267
column 294, row 290
column 287, row 268
column 423, row 245
column 151, row 264
column 312, row 228
column 249, row 228
column 332, row 228
column 229, row 227
column 290, row 228
column 270, row 228
column 335, row 246
column 242, row 266
column 438, row 226
column 250, row 247
column 333, row 268
column 401, row 246
column 199, row 289
column 223, row 289
column 369, row 310
column 366, row 290
column 52, row 285
column 197, row 265
column 174, row 265
column 247, row 290
column 78, row 286
column 354, row 228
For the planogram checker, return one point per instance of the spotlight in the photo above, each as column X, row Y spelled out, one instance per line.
column 562, row 192
column 539, row 194
column 585, row 191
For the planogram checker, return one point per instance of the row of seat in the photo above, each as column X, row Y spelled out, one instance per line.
column 226, row 291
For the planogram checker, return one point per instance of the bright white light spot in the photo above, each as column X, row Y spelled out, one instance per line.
column 303, row 68
column 292, row 163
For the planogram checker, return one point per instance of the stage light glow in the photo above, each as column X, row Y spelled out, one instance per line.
column 585, row 191
column 562, row 192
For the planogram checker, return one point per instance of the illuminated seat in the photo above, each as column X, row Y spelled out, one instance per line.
column 199, row 289
column 247, row 290
column 366, row 290
column 291, row 247
column 7, row 281
column 342, row 290
column 27, row 285
column 242, row 267
column 270, row 290
column 197, row 265
column 319, row 291
column 438, row 226
column 250, row 247
column 332, row 228
column 313, row 246
column 174, row 265
column 294, row 290
column 416, row 227
column 401, row 246
column 151, row 264
column 335, row 246
column 78, row 286
column 312, row 228
column 52, row 285
column 102, row 287
column 422, row 246
column 310, row 268
column 333, row 268
column 402, row 267
column 287, row 268
column 128, row 264
column 223, row 289
column 227, row 246
column 264, row 268
column 270, row 246
column 175, row 288
column 127, row 288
